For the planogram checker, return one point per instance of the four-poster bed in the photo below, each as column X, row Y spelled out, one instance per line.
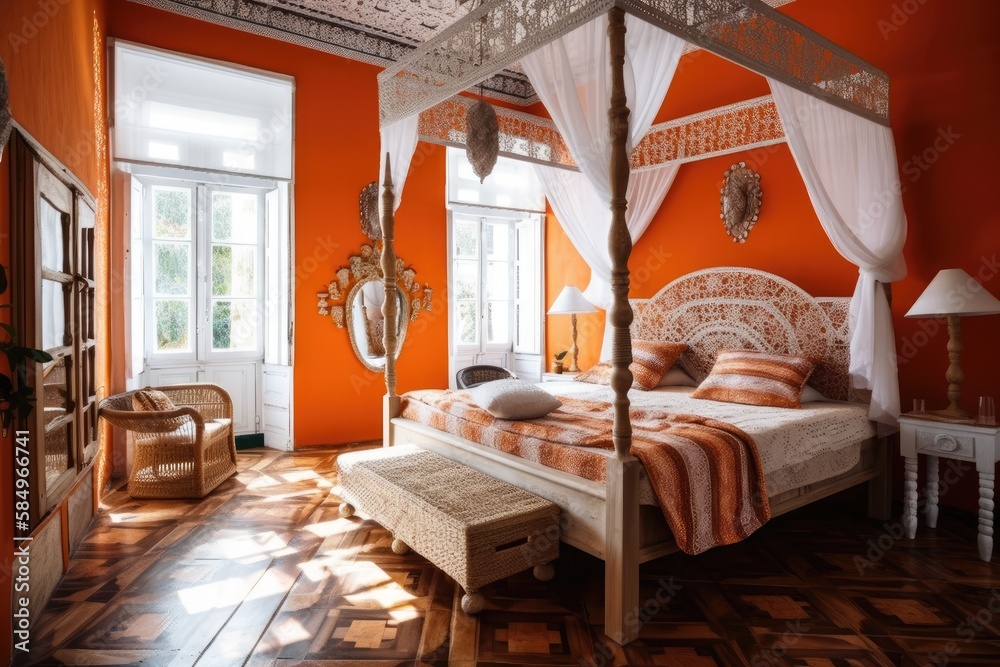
column 833, row 110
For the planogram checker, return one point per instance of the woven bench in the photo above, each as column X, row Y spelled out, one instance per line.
column 475, row 528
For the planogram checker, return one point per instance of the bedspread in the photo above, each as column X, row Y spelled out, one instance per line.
column 706, row 474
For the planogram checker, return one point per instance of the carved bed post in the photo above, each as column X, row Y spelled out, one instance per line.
column 621, row 561
column 390, row 403
column 880, row 487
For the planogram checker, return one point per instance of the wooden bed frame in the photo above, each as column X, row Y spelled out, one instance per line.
column 722, row 308
column 603, row 520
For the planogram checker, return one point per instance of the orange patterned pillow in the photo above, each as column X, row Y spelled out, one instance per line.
column 650, row 362
column 756, row 378
column 148, row 400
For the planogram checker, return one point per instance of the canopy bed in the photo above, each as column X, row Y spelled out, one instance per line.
column 602, row 68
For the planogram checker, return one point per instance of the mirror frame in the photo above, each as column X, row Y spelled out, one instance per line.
column 403, row 315
column 335, row 301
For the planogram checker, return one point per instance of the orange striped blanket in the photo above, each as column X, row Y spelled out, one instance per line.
column 706, row 474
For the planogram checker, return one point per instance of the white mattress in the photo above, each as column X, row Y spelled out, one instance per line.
column 797, row 447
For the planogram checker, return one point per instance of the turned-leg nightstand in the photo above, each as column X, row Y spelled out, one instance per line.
column 975, row 443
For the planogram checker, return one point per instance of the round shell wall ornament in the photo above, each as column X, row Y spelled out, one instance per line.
column 482, row 138
column 368, row 208
column 741, row 195
column 6, row 120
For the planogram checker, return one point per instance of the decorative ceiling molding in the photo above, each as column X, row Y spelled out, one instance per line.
column 730, row 129
column 377, row 32
column 321, row 25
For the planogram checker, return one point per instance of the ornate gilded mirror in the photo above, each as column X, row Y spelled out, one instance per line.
column 353, row 300
column 365, row 323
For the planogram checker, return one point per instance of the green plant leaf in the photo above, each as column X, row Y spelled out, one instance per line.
column 37, row 355
column 3, row 279
column 11, row 331
column 562, row 355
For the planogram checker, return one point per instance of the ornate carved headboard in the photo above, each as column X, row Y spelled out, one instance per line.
column 746, row 309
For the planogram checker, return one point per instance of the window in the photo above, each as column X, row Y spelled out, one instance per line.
column 177, row 110
column 52, row 227
column 204, row 283
column 204, row 153
column 495, row 268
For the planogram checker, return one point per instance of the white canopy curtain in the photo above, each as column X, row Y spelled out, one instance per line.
column 587, row 221
column 849, row 167
column 572, row 76
column 399, row 140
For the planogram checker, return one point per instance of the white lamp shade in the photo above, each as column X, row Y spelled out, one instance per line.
column 570, row 302
column 954, row 292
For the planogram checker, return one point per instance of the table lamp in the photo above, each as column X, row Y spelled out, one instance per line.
column 954, row 294
column 570, row 302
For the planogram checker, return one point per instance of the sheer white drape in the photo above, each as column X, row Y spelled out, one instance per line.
column 849, row 167
column 587, row 221
column 572, row 76
column 399, row 140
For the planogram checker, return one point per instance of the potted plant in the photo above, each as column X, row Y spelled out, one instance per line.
column 557, row 363
column 16, row 396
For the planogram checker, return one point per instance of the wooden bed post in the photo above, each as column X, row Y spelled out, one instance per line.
column 621, row 559
column 880, row 488
column 390, row 403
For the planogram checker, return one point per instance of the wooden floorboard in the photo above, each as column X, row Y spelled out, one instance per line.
column 265, row 573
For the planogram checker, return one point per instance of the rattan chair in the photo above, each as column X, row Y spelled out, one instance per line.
column 473, row 376
column 180, row 453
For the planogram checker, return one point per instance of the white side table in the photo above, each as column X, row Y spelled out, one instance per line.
column 559, row 377
column 975, row 443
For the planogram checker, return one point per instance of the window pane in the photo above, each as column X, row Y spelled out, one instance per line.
column 498, row 322
column 56, row 388
column 234, row 217
column 53, row 237
column 173, row 319
column 466, row 280
column 234, row 325
column 53, row 315
column 467, row 323
column 57, row 446
column 497, row 280
column 466, row 238
column 172, row 268
column 171, row 213
column 234, row 271
column 497, row 240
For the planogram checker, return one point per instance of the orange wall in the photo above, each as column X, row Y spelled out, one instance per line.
column 50, row 51
column 336, row 155
column 943, row 66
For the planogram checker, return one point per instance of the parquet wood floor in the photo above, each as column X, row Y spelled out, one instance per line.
column 265, row 573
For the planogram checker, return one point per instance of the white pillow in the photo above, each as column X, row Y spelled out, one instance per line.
column 514, row 399
column 676, row 377
column 810, row 395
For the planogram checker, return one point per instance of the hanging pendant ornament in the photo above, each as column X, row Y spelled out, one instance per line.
column 6, row 119
column 482, row 138
column 741, row 195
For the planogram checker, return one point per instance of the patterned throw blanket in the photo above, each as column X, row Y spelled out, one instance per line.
column 706, row 474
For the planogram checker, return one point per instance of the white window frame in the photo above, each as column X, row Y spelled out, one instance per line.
column 517, row 356
column 200, row 275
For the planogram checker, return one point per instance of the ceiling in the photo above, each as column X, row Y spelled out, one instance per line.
column 373, row 31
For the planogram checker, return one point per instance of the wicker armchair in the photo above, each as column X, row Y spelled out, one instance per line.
column 473, row 376
column 181, row 453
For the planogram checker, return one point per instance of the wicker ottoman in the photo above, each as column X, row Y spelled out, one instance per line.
column 475, row 528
